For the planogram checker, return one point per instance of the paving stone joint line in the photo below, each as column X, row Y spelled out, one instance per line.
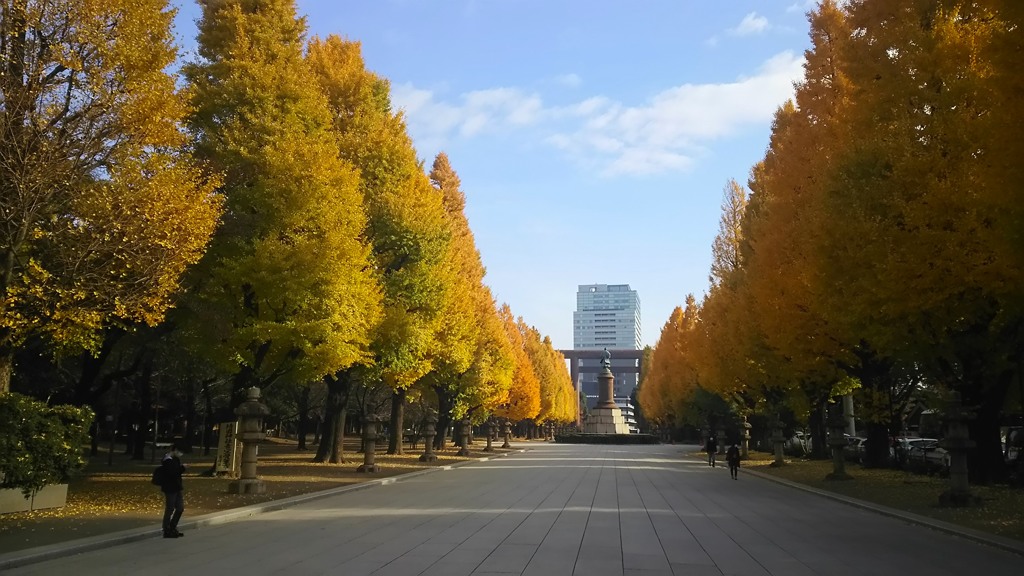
column 63, row 549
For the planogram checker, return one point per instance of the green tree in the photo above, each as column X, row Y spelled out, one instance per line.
column 286, row 287
column 472, row 363
column 101, row 212
column 406, row 222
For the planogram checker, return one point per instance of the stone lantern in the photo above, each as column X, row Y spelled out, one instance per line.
column 369, row 446
column 491, row 433
column 506, row 431
column 250, row 431
column 464, row 437
column 429, row 431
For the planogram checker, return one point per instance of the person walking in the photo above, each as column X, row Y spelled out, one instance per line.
column 712, row 447
column 172, row 486
column 732, row 457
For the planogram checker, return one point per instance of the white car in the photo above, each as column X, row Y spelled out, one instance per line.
column 903, row 446
column 928, row 456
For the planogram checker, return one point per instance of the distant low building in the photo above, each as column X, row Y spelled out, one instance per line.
column 628, row 413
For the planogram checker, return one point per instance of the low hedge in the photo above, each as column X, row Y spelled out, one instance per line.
column 40, row 444
column 584, row 438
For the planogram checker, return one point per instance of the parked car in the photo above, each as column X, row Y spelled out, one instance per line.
column 928, row 457
column 1013, row 445
column 901, row 450
column 801, row 443
column 854, row 449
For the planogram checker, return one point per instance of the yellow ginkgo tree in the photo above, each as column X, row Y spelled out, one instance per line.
column 286, row 290
column 101, row 210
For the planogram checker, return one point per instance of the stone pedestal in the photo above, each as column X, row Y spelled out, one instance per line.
column 429, row 431
column 721, row 441
column 250, row 421
column 606, row 389
column 606, row 421
column 606, row 417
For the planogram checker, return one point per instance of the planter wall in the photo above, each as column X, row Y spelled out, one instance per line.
column 13, row 500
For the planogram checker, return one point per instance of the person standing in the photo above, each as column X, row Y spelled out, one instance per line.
column 732, row 457
column 172, row 487
column 712, row 447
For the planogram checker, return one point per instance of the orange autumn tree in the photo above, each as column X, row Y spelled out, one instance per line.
column 472, row 366
column 552, row 375
column 524, row 396
column 728, row 356
column 671, row 378
column 784, row 232
column 652, row 392
column 920, row 207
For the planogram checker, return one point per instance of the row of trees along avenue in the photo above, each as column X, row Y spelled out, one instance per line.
column 261, row 219
column 879, row 248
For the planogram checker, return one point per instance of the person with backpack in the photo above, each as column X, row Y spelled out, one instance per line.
column 732, row 457
column 711, row 445
column 168, row 477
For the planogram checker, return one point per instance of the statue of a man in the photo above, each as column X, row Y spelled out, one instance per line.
column 606, row 362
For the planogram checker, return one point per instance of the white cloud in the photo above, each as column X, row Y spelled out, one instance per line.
column 802, row 7
column 569, row 80
column 751, row 24
column 479, row 111
column 668, row 132
column 675, row 126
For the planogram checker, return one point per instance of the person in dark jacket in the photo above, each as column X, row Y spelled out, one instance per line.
column 732, row 456
column 711, row 445
column 172, row 487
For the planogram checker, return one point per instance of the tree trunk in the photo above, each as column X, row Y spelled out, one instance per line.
column 816, row 422
column 303, row 424
column 326, row 444
column 191, row 417
column 144, row 392
column 397, row 421
column 985, row 463
column 338, row 452
column 6, row 369
column 94, row 435
column 338, row 387
column 208, row 418
column 444, row 416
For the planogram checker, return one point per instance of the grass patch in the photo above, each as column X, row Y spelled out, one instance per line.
column 1001, row 511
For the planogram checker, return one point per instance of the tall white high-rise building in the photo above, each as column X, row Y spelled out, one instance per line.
column 607, row 316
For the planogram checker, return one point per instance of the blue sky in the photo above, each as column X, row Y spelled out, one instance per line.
column 593, row 138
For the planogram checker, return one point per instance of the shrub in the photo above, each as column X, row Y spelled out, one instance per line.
column 40, row 444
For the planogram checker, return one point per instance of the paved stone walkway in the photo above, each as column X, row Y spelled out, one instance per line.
column 558, row 510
